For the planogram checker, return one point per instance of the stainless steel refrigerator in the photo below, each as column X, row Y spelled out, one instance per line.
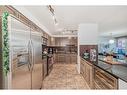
column 26, row 68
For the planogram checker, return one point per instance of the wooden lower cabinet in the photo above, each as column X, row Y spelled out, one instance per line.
column 73, row 58
column 86, row 70
column 89, row 75
column 60, row 58
column 65, row 58
column 103, row 80
column 97, row 78
column 68, row 58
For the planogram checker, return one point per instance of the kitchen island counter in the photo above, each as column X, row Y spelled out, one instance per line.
column 118, row 71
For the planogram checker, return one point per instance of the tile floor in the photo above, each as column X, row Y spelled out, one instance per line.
column 64, row 76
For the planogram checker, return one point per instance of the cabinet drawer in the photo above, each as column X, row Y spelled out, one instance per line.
column 73, row 59
column 68, row 58
column 61, row 58
column 105, row 80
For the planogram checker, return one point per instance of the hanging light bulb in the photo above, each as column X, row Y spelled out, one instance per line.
column 111, row 41
column 56, row 23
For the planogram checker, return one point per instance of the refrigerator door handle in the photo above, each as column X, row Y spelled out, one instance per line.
column 32, row 51
column 29, row 54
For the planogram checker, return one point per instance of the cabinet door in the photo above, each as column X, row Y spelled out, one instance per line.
column 54, row 57
column 90, row 76
column 61, row 58
column 81, row 68
column 87, row 70
column 73, row 58
column 104, row 80
column 68, row 60
column 84, row 70
column 87, row 73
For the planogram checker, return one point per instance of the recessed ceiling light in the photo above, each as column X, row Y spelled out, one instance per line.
column 111, row 41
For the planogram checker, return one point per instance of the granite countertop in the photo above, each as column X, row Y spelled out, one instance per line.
column 117, row 70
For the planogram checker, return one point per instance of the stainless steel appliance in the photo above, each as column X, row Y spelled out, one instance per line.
column 25, row 51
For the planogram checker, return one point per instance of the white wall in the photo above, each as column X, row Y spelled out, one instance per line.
column 88, row 34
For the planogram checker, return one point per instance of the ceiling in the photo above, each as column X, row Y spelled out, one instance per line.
column 109, row 18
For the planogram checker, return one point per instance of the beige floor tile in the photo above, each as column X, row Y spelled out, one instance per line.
column 64, row 76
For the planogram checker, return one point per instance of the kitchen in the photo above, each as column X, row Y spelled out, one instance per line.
column 90, row 46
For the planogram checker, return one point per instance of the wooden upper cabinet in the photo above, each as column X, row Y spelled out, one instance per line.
column 49, row 40
column 63, row 41
column 52, row 41
column 45, row 35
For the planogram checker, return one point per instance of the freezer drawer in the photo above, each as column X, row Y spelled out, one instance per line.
column 21, row 78
column 37, row 76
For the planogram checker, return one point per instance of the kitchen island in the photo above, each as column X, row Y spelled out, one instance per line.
column 119, row 70
column 102, row 75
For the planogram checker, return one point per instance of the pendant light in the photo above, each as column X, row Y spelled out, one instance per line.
column 111, row 41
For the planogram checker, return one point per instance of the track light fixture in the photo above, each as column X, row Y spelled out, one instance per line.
column 53, row 14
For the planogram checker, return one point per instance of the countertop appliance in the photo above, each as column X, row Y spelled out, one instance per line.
column 30, row 74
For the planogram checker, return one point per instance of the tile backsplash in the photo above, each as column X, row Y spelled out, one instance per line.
column 88, row 48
